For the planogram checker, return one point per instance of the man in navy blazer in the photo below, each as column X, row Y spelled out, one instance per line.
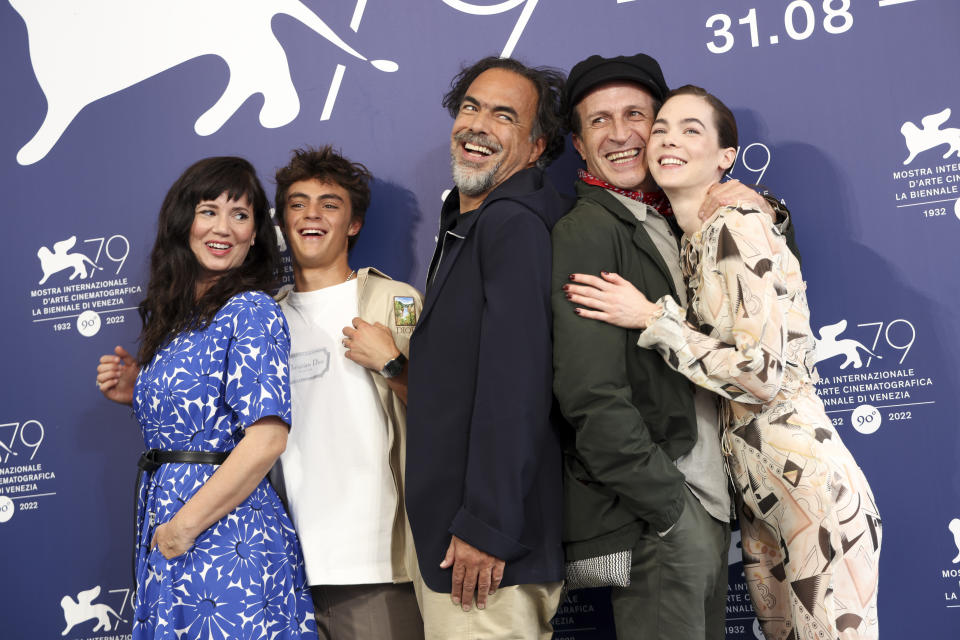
column 483, row 470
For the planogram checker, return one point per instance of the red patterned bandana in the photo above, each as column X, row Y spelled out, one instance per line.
column 656, row 199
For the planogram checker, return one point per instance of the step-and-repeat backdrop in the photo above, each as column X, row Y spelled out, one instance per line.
column 849, row 110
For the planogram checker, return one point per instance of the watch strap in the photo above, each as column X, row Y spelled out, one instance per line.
column 395, row 367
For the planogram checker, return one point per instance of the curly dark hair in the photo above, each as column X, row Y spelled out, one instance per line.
column 326, row 165
column 549, row 84
column 171, row 305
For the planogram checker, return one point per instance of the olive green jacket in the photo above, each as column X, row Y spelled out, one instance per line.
column 630, row 415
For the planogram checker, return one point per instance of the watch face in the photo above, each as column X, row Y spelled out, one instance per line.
column 391, row 369
column 394, row 367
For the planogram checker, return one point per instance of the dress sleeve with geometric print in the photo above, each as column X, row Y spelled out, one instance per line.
column 745, row 293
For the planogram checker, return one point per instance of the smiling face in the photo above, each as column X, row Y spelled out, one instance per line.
column 490, row 140
column 615, row 121
column 684, row 150
column 221, row 234
column 318, row 221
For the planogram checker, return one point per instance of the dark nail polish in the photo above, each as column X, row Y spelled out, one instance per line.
column 606, row 273
column 570, row 276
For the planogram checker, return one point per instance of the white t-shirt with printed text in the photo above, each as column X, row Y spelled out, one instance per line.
column 341, row 492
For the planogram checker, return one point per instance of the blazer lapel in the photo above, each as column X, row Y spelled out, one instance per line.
column 641, row 238
column 452, row 244
column 522, row 182
column 643, row 241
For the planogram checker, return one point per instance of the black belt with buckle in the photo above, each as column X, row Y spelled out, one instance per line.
column 149, row 462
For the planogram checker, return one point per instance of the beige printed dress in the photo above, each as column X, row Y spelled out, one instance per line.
column 810, row 527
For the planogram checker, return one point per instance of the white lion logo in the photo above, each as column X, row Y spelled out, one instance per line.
column 931, row 135
column 828, row 346
column 83, row 609
column 954, row 527
column 52, row 262
column 84, row 51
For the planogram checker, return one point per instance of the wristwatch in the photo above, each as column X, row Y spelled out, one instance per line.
column 394, row 367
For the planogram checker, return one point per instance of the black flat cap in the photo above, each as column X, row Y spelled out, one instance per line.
column 597, row 70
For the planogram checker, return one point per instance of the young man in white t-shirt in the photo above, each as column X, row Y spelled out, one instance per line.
column 350, row 331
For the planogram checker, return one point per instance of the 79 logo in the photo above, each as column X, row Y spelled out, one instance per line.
column 897, row 335
column 894, row 335
column 20, row 438
column 756, row 166
column 116, row 249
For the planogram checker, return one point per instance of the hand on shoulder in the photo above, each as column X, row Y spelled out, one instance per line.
column 733, row 193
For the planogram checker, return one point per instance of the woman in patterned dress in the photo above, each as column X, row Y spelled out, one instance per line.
column 216, row 555
column 810, row 528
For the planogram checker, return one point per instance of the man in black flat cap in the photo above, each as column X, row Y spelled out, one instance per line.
column 647, row 501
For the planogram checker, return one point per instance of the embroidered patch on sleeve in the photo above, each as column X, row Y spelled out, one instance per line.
column 404, row 311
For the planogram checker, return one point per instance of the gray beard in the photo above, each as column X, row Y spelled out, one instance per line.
column 472, row 182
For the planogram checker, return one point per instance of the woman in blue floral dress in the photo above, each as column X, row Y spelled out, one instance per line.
column 216, row 555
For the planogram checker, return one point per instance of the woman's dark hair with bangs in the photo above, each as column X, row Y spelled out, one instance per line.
column 171, row 304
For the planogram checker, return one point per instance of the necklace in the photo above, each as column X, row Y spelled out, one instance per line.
column 350, row 277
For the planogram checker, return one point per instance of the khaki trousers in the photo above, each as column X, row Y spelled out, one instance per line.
column 518, row 612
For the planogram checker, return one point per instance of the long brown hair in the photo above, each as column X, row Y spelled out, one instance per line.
column 171, row 305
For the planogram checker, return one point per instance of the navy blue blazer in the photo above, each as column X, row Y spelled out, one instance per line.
column 483, row 454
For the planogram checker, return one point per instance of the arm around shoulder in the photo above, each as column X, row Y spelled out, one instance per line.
column 746, row 365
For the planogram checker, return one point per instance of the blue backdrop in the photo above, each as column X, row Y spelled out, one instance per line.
column 844, row 108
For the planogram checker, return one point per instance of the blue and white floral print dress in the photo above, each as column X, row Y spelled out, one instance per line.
column 244, row 577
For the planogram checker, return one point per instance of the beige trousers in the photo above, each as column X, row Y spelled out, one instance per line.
column 519, row 612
